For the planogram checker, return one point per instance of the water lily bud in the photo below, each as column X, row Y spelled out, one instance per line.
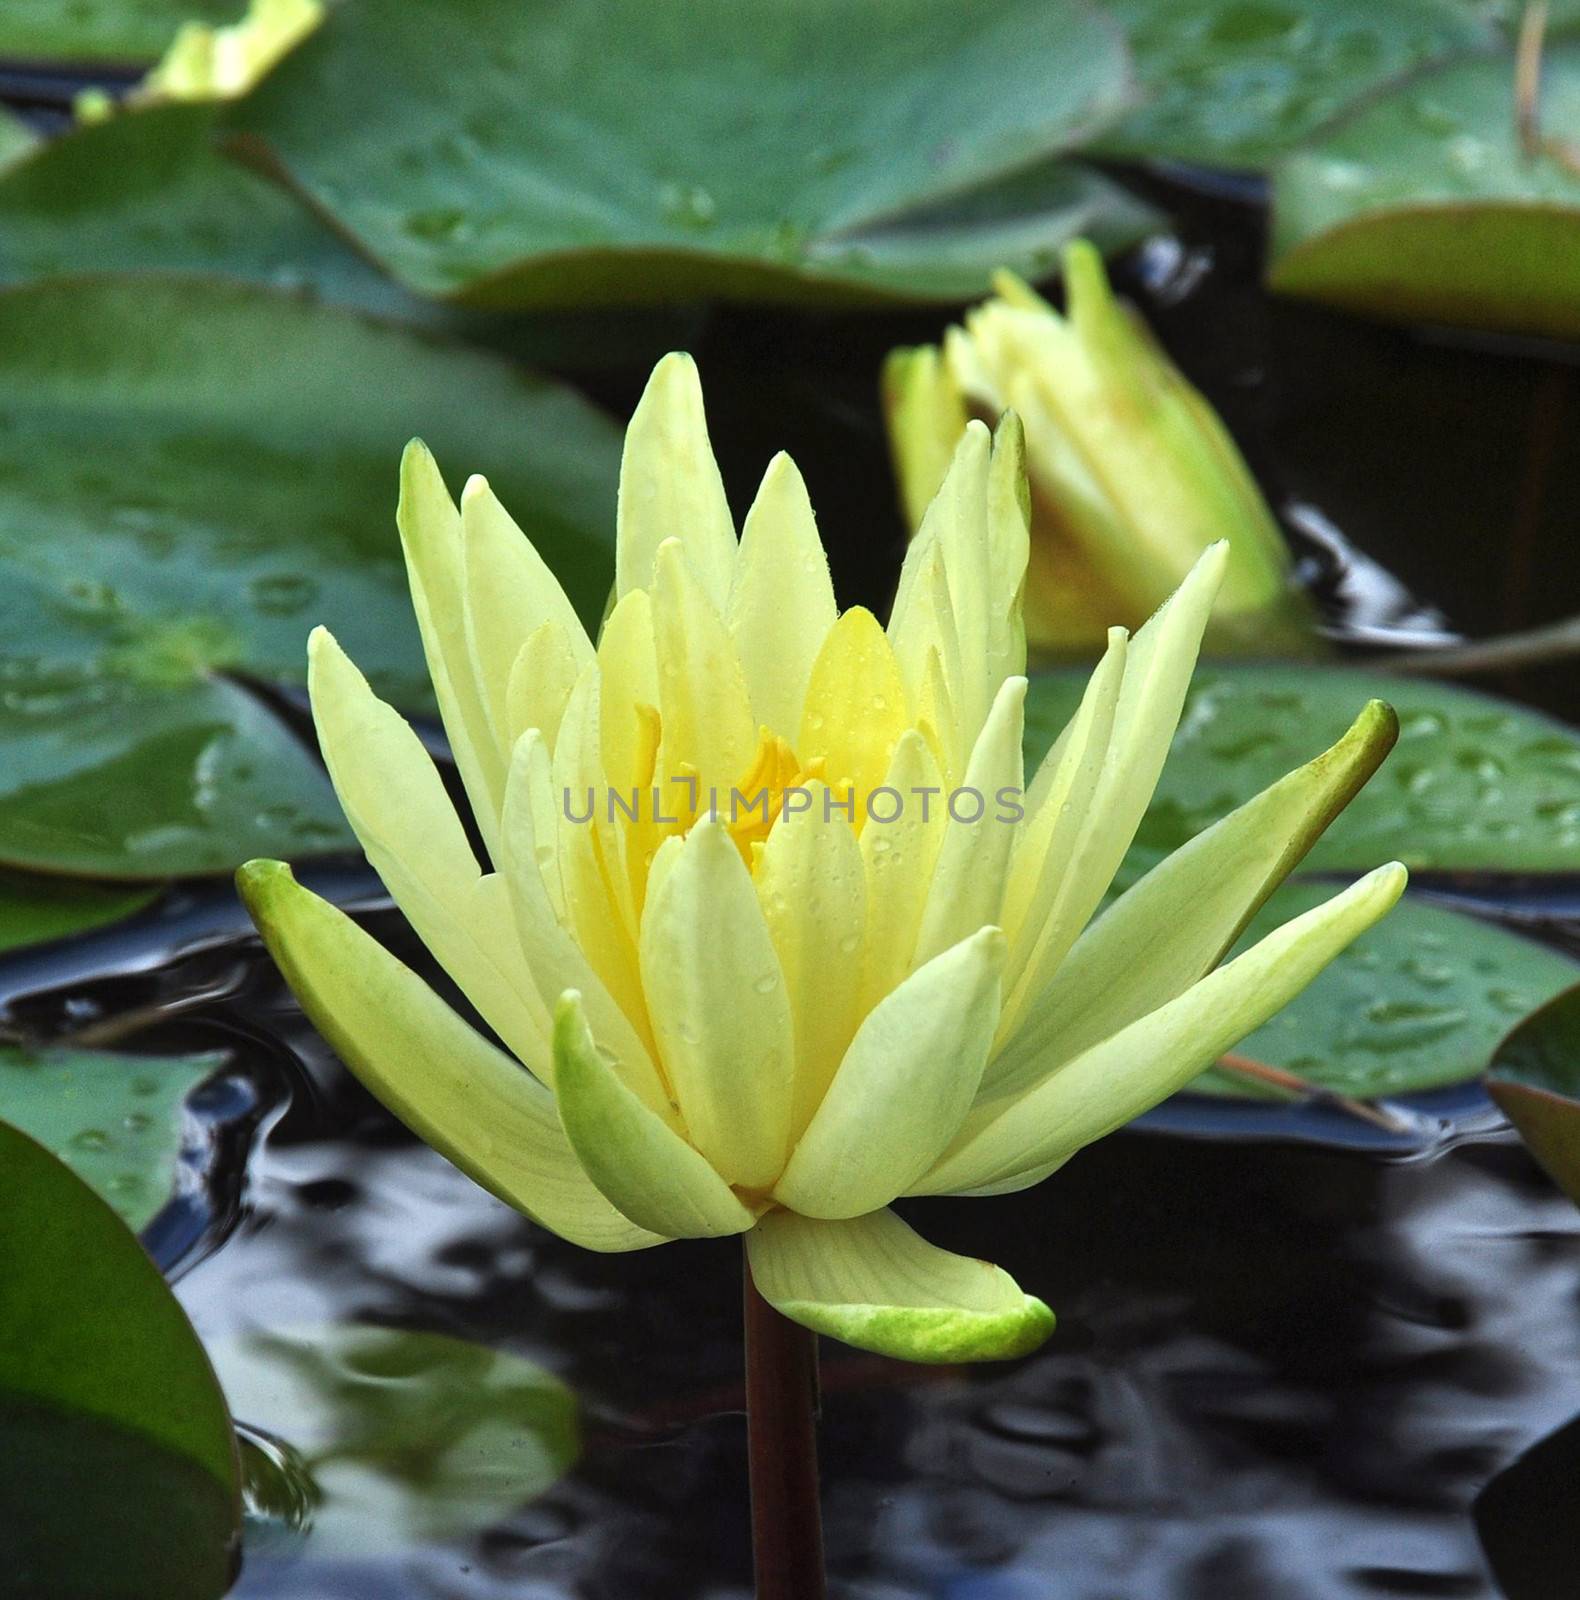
column 1133, row 474
column 773, row 928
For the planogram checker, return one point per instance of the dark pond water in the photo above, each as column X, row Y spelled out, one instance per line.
column 1289, row 1357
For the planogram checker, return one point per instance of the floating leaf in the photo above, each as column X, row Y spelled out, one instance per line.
column 1535, row 1078
column 1424, row 206
column 1419, row 1001
column 616, row 150
column 115, row 1120
column 404, row 1437
column 118, row 1467
column 1475, row 784
column 191, row 476
column 1232, row 83
column 112, row 32
column 35, row 910
column 147, row 191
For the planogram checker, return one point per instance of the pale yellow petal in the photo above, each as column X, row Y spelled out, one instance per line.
column 899, row 847
column 1132, row 1070
column 903, row 1087
column 707, row 716
column 812, row 888
column 782, row 602
column 540, row 683
column 553, row 958
column 430, row 532
column 396, row 803
column 638, row 1160
column 981, row 817
column 720, row 1013
column 670, row 487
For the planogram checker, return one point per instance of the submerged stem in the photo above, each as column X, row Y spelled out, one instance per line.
column 781, row 1427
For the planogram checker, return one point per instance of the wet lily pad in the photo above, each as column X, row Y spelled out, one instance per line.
column 1425, row 207
column 118, row 1466
column 34, row 910
column 148, row 191
column 1420, row 1001
column 1474, row 785
column 191, row 476
column 111, row 32
column 1535, row 1078
column 601, row 152
column 398, row 1438
column 115, row 1120
column 1233, row 83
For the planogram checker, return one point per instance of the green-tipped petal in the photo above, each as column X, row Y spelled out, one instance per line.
column 903, row 1088
column 670, row 487
column 450, row 1086
column 1158, row 666
column 874, row 1283
column 1176, row 924
column 926, row 414
column 645, row 1169
column 1106, row 1086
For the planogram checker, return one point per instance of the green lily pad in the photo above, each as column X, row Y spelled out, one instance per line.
column 107, row 32
column 118, row 1466
column 115, row 1120
column 615, row 150
column 1425, row 207
column 1021, row 223
column 1234, row 83
column 1420, row 1001
column 403, row 1437
column 1474, row 785
column 1535, row 1079
column 1525, row 1518
column 148, row 191
column 191, row 476
column 35, row 910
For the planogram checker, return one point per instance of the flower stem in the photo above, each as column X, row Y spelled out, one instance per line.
column 781, row 1431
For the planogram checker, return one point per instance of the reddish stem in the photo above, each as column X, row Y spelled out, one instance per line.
column 781, row 1430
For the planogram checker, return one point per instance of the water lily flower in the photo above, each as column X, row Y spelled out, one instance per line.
column 1133, row 474
column 776, row 1020
column 222, row 62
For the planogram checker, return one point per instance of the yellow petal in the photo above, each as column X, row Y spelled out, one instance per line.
column 430, row 532
column 440, row 1077
column 396, row 803
column 707, row 717
column 1132, row 1070
column 553, row 958
column 903, row 1087
column 540, row 683
column 670, row 487
column 645, row 1168
column 812, row 888
column 720, row 1013
column 855, row 705
column 899, row 847
column 509, row 594
column 967, row 889
column 782, row 603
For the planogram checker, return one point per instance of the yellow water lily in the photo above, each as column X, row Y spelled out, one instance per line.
column 1133, row 473
column 878, row 975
